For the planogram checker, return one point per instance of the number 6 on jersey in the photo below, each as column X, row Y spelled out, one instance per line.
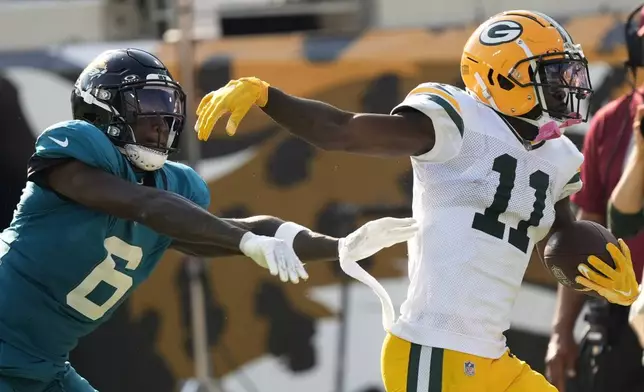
column 106, row 272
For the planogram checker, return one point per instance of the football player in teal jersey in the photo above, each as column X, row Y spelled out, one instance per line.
column 102, row 205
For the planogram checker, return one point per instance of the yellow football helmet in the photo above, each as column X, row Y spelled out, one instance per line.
column 525, row 64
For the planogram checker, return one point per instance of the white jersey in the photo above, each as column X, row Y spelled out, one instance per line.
column 482, row 200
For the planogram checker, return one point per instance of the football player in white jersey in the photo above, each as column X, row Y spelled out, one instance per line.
column 492, row 176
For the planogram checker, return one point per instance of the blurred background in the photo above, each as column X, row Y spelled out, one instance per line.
column 362, row 55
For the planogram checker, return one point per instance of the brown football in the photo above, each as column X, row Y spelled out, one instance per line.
column 571, row 246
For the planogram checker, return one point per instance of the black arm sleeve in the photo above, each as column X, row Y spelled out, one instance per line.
column 625, row 225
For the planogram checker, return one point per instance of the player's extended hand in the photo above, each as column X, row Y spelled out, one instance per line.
column 237, row 97
column 367, row 240
column 274, row 255
column 619, row 285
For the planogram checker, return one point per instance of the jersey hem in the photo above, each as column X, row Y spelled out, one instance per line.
column 447, row 340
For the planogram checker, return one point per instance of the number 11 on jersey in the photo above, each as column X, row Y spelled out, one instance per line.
column 488, row 222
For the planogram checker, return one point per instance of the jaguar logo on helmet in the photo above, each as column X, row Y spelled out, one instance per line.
column 500, row 32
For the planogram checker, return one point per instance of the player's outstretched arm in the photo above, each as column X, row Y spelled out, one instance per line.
column 406, row 133
column 325, row 126
column 165, row 212
column 311, row 246
column 308, row 245
column 169, row 214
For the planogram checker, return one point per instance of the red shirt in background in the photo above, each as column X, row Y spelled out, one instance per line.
column 605, row 149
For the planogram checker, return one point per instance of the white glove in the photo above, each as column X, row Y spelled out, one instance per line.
column 274, row 255
column 366, row 241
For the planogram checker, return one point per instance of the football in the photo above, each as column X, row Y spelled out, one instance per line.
column 571, row 246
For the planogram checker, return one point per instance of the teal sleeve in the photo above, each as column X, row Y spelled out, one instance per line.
column 199, row 192
column 188, row 183
column 81, row 141
column 183, row 180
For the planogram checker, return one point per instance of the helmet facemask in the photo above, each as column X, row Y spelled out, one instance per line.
column 145, row 119
column 561, row 82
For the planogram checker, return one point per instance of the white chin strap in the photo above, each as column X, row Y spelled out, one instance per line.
column 145, row 158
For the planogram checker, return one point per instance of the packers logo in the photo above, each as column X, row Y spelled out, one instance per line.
column 500, row 32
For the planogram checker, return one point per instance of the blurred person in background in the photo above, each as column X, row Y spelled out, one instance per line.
column 625, row 212
column 610, row 356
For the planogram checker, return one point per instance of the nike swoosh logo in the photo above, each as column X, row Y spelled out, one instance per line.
column 624, row 293
column 584, row 270
column 62, row 143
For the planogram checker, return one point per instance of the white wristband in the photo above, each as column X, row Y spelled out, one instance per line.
column 244, row 240
column 287, row 232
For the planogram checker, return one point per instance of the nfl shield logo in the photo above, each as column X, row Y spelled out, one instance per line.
column 469, row 368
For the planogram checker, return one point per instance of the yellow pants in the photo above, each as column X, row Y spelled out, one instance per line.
column 409, row 367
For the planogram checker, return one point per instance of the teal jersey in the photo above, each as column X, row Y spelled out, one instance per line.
column 65, row 268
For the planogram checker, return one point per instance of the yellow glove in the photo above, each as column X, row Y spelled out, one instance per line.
column 619, row 285
column 236, row 98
